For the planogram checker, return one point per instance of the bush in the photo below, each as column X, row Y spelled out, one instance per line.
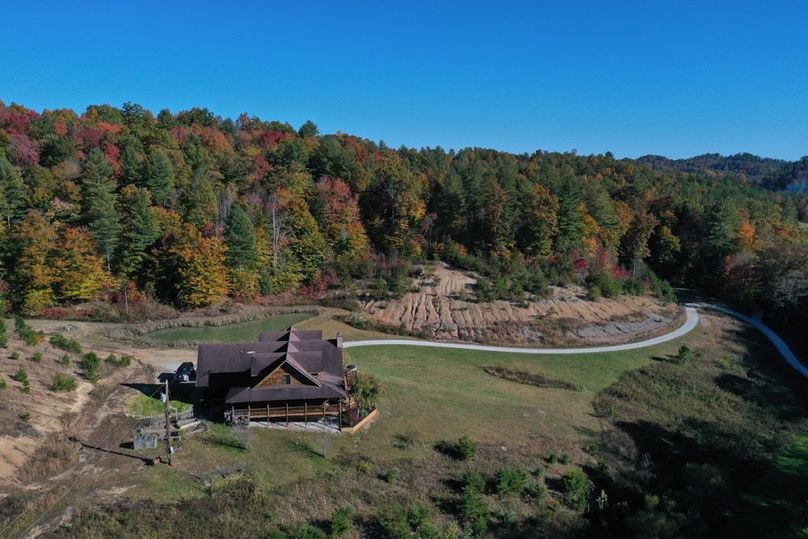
column 565, row 459
column 684, row 354
column 365, row 390
column 20, row 376
column 398, row 523
column 466, row 448
column 115, row 361
column 391, row 475
column 473, row 480
column 536, row 491
column 341, row 522
column 64, row 360
column 63, row 382
column 594, row 293
column 605, row 283
column 511, row 479
column 61, row 342
column 24, row 416
column 26, row 332
column 473, row 512
column 485, row 292
column 575, row 487
column 14, row 355
column 91, row 366
column 37, row 357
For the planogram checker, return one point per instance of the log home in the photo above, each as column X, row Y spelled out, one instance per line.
column 285, row 375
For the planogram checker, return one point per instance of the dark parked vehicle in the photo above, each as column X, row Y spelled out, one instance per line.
column 185, row 373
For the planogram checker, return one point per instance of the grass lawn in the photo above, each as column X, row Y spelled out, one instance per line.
column 244, row 331
column 144, row 406
column 431, row 394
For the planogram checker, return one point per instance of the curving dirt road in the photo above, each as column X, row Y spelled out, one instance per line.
column 691, row 321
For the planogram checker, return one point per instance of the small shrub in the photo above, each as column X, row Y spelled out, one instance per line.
column 14, row 355
column 26, row 332
column 91, row 366
column 474, row 513
column 565, row 459
column 552, row 458
column 575, row 486
column 24, row 416
column 341, row 522
column 64, row 360
column 62, row 382
column 391, row 475
column 37, row 357
column 472, row 479
column 594, row 293
column 61, row 342
column 535, row 491
column 511, row 479
column 466, row 448
column 684, row 354
column 20, row 376
column 398, row 523
column 364, row 466
column 115, row 361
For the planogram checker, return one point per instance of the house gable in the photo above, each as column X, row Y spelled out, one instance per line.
column 286, row 373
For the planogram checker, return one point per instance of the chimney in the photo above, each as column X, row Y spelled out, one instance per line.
column 339, row 339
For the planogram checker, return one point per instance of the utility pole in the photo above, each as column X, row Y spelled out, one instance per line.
column 169, row 447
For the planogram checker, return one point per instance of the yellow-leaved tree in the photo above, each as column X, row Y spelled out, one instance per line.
column 202, row 278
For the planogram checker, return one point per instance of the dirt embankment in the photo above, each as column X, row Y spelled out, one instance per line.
column 440, row 310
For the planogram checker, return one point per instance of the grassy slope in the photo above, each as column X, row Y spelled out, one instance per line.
column 436, row 394
column 431, row 395
column 245, row 331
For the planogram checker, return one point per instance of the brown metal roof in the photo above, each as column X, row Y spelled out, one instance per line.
column 238, row 367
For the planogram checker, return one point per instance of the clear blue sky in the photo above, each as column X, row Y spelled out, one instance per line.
column 676, row 78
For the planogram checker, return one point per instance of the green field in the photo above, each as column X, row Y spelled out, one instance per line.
column 144, row 406
column 431, row 394
column 244, row 331
column 704, row 418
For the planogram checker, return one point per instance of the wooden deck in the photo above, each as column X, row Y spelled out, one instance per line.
column 286, row 412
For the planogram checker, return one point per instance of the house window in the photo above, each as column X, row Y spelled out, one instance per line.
column 286, row 380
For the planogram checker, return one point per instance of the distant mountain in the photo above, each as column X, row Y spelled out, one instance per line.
column 775, row 174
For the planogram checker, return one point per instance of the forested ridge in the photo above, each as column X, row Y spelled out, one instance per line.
column 121, row 205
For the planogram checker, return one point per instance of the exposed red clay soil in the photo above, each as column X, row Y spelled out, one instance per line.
column 565, row 317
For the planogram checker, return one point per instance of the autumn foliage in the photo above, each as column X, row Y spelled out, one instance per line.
column 120, row 204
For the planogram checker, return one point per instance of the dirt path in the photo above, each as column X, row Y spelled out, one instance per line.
column 691, row 321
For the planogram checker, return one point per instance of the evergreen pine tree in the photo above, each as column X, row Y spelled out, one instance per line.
column 100, row 204
column 131, row 165
column 159, row 176
column 12, row 192
column 240, row 237
column 570, row 219
column 142, row 230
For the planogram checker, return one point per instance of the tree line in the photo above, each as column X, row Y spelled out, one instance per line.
column 119, row 204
